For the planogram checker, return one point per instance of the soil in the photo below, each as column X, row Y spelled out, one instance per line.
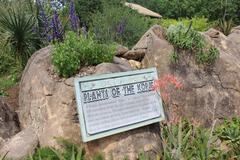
column 12, row 98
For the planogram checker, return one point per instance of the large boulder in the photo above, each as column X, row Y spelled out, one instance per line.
column 209, row 93
column 47, row 103
column 140, row 49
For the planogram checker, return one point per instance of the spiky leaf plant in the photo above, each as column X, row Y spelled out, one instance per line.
column 18, row 31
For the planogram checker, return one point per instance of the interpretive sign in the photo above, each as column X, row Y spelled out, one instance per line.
column 117, row 102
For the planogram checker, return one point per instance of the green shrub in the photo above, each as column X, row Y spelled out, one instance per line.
column 85, row 9
column 185, row 38
column 77, row 51
column 213, row 10
column 117, row 23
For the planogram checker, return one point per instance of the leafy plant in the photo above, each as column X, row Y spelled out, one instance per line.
column 185, row 38
column 17, row 30
column 208, row 57
column 77, row 51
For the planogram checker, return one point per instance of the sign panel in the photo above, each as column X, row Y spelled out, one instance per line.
column 117, row 102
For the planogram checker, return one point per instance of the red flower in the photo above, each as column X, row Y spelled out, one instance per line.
column 163, row 83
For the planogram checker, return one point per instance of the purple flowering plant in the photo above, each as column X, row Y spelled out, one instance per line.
column 57, row 28
column 73, row 17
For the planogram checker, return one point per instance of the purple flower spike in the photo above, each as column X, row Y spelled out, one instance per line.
column 73, row 17
column 57, row 29
column 121, row 27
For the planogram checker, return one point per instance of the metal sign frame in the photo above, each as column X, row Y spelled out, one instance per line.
column 78, row 81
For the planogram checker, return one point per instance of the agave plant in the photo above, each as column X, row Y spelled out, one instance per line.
column 18, row 31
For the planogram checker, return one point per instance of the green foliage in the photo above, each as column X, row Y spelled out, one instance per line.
column 77, row 51
column 68, row 151
column 213, row 10
column 186, row 141
column 198, row 24
column 10, row 70
column 143, row 156
column 208, row 57
column 17, row 30
column 174, row 57
column 229, row 132
column 181, row 139
column 86, row 9
column 98, row 156
column 117, row 23
column 185, row 38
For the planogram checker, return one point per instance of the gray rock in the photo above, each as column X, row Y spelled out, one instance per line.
column 21, row 145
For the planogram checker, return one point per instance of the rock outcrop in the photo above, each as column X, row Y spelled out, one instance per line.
column 48, row 105
column 209, row 93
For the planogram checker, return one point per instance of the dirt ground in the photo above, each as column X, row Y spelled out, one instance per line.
column 12, row 98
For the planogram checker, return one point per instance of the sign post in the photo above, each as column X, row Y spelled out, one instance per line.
column 117, row 102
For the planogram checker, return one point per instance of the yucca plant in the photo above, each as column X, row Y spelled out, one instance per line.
column 18, row 31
